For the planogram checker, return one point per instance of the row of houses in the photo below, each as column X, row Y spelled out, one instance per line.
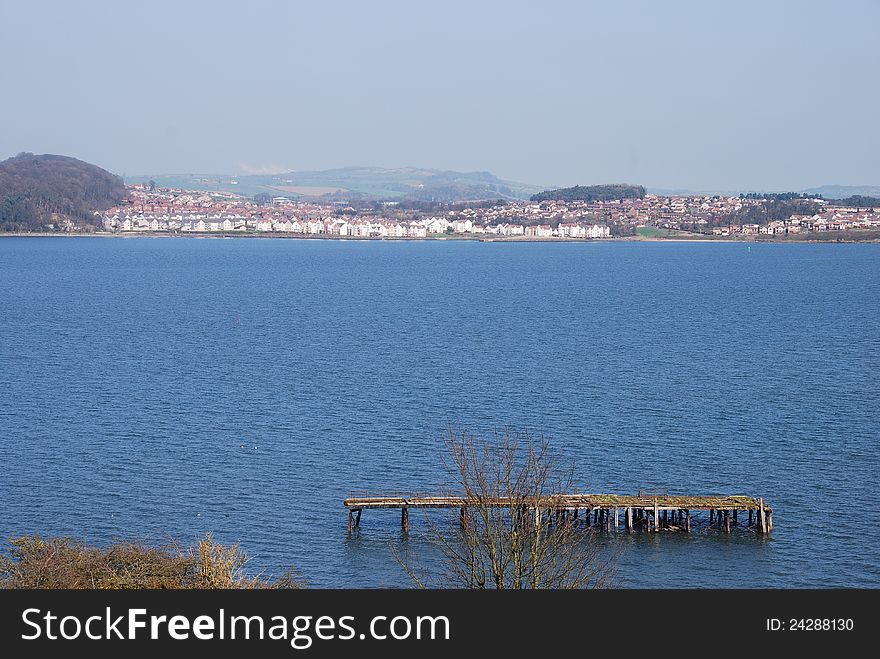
column 326, row 226
column 804, row 224
column 334, row 226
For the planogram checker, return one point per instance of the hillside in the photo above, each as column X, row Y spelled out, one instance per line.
column 592, row 193
column 406, row 183
column 51, row 193
column 843, row 191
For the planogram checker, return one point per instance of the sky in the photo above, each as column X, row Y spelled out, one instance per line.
column 744, row 95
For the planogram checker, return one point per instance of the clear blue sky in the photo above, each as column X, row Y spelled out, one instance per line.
column 701, row 95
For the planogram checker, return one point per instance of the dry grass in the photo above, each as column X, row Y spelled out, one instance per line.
column 36, row 562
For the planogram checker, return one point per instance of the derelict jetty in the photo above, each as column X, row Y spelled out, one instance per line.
column 609, row 513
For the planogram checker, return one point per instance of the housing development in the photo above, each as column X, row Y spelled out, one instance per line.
column 167, row 210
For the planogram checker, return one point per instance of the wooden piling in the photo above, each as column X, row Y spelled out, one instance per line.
column 404, row 519
column 463, row 517
column 616, row 519
column 350, row 521
column 357, row 519
column 656, row 516
column 727, row 521
column 687, row 519
column 629, row 519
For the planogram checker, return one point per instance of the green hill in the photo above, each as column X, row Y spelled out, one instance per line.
column 592, row 193
column 51, row 193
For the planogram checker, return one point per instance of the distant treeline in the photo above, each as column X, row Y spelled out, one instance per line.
column 855, row 201
column 43, row 192
column 609, row 192
column 779, row 196
column 858, row 201
column 441, row 206
column 770, row 210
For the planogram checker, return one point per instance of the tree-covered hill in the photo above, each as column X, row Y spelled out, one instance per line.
column 593, row 193
column 52, row 193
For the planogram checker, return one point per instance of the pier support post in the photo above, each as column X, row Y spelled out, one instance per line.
column 404, row 519
column 762, row 518
column 735, row 522
column 463, row 517
column 357, row 519
column 350, row 521
column 770, row 522
column 656, row 516
column 616, row 519
column 727, row 521
column 629, row 519
column 687, row 519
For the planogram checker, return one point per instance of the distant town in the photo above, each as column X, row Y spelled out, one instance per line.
column 179, row 211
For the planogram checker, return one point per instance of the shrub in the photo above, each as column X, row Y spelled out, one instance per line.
column 37, row 562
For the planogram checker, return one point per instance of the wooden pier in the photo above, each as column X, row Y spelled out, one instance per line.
column 649, row 512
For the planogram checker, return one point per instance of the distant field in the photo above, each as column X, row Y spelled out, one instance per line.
column 654, row 232
column 307, row 190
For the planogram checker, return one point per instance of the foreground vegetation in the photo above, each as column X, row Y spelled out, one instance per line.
column 516, row 546
column 36, row 562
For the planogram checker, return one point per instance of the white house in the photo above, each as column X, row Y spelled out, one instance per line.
column 462, row 226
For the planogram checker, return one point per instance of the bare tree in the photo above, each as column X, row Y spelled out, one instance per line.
column 511, row 535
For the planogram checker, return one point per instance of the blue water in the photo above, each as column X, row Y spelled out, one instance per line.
column 156, row 388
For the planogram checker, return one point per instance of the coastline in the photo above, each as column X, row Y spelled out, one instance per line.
column 826, row 238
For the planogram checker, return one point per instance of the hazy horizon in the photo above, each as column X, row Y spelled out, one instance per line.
column 674, row 96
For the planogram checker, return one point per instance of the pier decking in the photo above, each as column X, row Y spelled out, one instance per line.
column 651, row 512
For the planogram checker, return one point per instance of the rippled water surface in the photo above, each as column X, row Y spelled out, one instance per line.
column 169, row 387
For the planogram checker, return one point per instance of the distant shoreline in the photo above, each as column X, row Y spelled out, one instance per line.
column 826, row 238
